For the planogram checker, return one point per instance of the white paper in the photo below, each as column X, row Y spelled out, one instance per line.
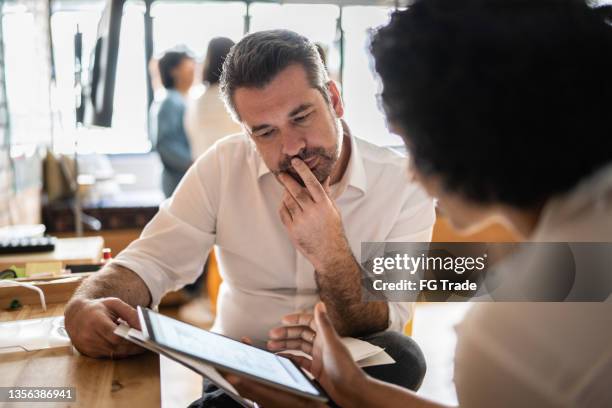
column 33, row 334
column 359, row 349
column 381, row 358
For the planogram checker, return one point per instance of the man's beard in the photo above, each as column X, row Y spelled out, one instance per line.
column 323, row 169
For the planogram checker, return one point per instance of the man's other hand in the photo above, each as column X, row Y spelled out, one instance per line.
column 91, row 325
column 297, row 332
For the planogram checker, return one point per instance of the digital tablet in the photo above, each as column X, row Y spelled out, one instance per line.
column 229, row 355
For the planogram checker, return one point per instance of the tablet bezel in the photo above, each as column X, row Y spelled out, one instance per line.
column 149, row 332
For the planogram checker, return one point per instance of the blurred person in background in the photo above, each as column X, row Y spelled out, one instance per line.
column 176, row 69
column 207, row 119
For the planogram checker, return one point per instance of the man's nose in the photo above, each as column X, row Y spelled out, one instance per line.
column 293, row 143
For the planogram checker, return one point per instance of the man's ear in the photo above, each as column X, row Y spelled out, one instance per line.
column 335, row 98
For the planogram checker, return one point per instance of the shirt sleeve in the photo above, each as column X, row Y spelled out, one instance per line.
column 414, row 224
column 174, row 245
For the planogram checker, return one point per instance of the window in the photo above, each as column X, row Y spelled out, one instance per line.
column 27, row 76
column 63, row 28
column 130, row 101
column 317, row 22
column 128, row 133
column 360, row 84
column 194, row 25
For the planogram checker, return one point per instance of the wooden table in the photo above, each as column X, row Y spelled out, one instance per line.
column 131, row 383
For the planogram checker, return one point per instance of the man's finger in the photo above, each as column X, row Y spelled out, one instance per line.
column 121, row 309
column 118, row 345
column 292, row 344
column 292, row 205
column 310, row 181
column 326, row 186
column 292, row 332
column 96, row 346
column 299, row 193
column 284, row 214
column 299, row 319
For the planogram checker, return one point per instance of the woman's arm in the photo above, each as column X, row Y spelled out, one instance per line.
column 375, row 393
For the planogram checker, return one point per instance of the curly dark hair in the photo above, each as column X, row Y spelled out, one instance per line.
column 506, row 101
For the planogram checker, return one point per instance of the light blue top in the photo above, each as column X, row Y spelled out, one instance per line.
column 171, row 140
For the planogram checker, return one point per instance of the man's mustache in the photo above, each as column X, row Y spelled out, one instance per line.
column 285, row 164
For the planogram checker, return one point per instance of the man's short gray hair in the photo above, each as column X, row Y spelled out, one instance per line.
column 256, row 60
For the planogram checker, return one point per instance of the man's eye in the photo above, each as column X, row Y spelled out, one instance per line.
column 266, row 134
column 301, row 118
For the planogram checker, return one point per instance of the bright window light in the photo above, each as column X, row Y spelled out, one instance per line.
column 360, row 84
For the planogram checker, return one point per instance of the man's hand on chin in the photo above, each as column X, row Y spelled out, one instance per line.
column 315, row 227
column 312, row 220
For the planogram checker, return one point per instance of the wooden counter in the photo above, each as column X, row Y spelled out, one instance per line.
column 132, row 382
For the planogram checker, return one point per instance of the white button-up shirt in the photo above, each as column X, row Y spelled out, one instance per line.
column 230, row 199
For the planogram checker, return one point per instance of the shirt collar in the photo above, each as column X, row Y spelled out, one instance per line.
column 354, row 175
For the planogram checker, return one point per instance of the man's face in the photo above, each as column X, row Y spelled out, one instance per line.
column 288, row 118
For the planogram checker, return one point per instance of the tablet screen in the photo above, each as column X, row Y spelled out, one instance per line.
column 228, row 353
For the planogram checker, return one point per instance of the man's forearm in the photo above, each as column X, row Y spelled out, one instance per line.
column 115, row 281
column 340, row 289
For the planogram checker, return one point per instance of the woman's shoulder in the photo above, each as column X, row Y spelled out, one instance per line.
column 521, row 342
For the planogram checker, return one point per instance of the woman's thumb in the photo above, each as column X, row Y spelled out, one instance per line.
column 324, row 325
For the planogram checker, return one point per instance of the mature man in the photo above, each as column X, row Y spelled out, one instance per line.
column 287, row 205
